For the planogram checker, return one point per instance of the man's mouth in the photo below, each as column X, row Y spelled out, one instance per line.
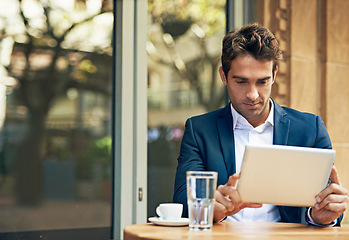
column 252, row 104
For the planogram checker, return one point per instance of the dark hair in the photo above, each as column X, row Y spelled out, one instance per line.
column 252, row 39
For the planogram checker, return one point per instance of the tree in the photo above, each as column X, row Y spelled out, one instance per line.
column 46, row 61
column 204, row 19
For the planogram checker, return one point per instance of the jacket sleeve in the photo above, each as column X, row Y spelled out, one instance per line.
column 190, row 158
column 323, row 141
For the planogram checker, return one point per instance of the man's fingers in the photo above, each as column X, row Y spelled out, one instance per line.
column 228, row 196
column 251, row 205
column 334, row 176
column 331, row 202
column 224, row 201
column 228, row 200
column 337, row 207
column 332, row 199
column 219, row 212
column 334, row 188
column 233, row 179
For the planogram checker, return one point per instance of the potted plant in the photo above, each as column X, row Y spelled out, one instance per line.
column 100, row 152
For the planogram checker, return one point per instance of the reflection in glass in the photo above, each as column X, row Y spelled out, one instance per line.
column 184, row 47
column 55, row 145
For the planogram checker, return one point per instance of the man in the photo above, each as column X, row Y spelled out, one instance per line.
column 216, row 141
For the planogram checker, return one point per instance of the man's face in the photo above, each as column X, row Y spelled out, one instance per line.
column 249, row 83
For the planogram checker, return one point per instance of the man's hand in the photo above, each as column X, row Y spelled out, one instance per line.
column 228, row 200
column 331, row 202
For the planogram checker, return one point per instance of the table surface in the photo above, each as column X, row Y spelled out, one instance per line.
column 237, row 230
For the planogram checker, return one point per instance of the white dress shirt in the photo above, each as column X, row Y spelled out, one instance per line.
column 245, row 133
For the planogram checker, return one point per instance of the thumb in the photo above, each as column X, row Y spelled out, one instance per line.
column 334, row 176
column 233, row 179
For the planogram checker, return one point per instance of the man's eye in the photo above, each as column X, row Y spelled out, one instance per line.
column 241, row 82
column 262, row 82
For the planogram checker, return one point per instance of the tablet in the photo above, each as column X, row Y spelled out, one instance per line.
column 284, row 175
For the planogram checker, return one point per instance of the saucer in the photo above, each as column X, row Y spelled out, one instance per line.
column 162, row 222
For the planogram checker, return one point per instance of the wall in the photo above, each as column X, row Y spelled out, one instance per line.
column 336, row 68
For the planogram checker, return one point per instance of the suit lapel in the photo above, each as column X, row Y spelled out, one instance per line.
column 226, row 137
column 281, row 125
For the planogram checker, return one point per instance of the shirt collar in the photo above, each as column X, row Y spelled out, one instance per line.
column 241, row 122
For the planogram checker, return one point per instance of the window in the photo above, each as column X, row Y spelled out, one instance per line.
column 56, row 100
column 184, row 48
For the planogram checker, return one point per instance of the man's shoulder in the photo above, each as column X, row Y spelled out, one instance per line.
column 211, row 116
column 293, row 113
column 298, row 119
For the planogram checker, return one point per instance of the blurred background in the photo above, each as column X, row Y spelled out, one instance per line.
column 56, row 88
column 56, row 83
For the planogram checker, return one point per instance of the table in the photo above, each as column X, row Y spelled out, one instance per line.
column 237, row 230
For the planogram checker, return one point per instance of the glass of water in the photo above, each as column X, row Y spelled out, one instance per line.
column 201, row 186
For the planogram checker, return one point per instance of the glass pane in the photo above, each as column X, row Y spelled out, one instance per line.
column 184, row 48
column 56, row 86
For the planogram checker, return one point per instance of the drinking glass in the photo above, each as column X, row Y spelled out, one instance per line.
column 201, row 186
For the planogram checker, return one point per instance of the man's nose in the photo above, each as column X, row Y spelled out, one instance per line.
column 252, row 93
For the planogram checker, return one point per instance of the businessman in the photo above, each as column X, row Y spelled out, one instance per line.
column 216, row 140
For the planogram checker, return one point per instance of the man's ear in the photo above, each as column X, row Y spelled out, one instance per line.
column 275, row 72
column 222, row 75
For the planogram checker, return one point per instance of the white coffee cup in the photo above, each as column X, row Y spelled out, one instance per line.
column 170, row 211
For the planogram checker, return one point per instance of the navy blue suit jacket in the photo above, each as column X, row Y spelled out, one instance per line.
column 208, row 145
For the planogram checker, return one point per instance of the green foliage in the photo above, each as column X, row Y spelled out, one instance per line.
column 207, row 14
column 101, row 149
column 98, row 153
